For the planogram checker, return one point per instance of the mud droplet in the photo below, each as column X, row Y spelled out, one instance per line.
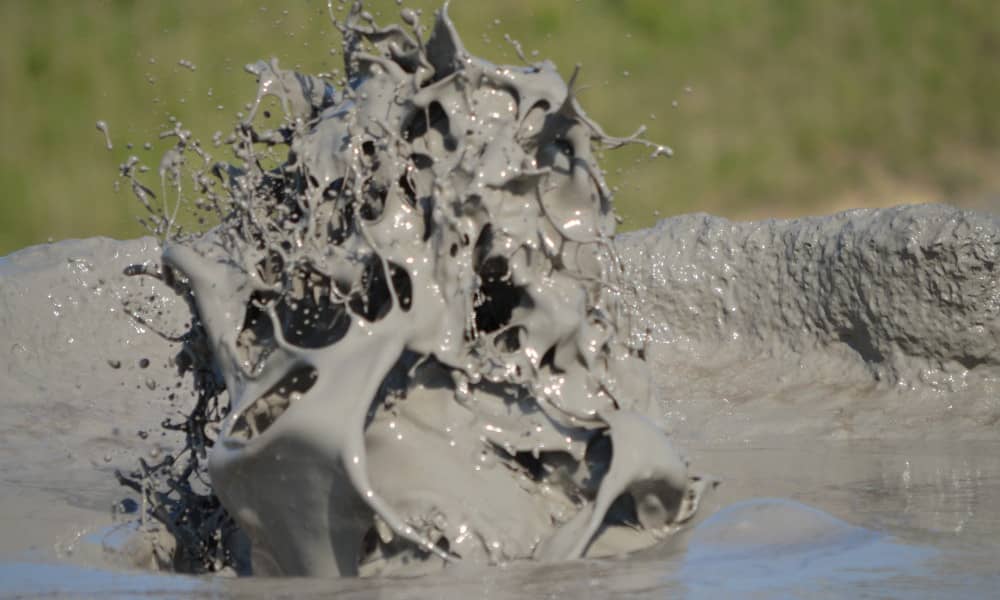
column 102, row 126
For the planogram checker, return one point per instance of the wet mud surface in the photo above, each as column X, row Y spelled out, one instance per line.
column 907, row 471
column 415, row 343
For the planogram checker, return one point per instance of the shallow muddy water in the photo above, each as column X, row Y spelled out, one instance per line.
column 799, row 518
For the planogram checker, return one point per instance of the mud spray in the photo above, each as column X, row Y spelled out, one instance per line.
column 409, row 335
column 413, row 343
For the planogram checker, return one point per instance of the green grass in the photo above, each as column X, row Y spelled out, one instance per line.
column 795, row 106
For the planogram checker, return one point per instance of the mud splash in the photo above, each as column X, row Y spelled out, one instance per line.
column 409, row 338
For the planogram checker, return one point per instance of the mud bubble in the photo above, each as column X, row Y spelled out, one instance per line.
column 408, row 337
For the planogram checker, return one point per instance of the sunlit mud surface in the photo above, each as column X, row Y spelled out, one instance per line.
column 915, row 513
column 411, row 335
column 416, row 345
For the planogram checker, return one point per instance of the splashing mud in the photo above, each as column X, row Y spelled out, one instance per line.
column 409, row 340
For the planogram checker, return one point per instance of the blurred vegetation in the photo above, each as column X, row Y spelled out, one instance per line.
column 774, row 107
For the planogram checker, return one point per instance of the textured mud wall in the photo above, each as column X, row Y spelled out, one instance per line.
column 908, row 289
column 864, row 324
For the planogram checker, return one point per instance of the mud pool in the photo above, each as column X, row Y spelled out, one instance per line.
column 836, row 477
column 837, row 375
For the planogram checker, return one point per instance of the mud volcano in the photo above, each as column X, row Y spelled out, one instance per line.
column 418, row 323
column 415, row 342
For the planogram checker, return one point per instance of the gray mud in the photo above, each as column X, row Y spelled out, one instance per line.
column 413, row 323
column 415, row 342
column 81, row 396
column 778, row 411
column 870, row 323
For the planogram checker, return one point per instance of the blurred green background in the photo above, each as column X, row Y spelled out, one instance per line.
column 773, row 107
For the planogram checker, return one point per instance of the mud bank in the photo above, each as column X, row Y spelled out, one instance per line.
column 864, row 324
column 84, row 391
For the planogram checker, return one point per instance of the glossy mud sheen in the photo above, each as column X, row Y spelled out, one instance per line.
column 417, row 343
column 418, row 321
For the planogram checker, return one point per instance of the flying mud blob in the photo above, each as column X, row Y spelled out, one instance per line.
column 416, row 319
